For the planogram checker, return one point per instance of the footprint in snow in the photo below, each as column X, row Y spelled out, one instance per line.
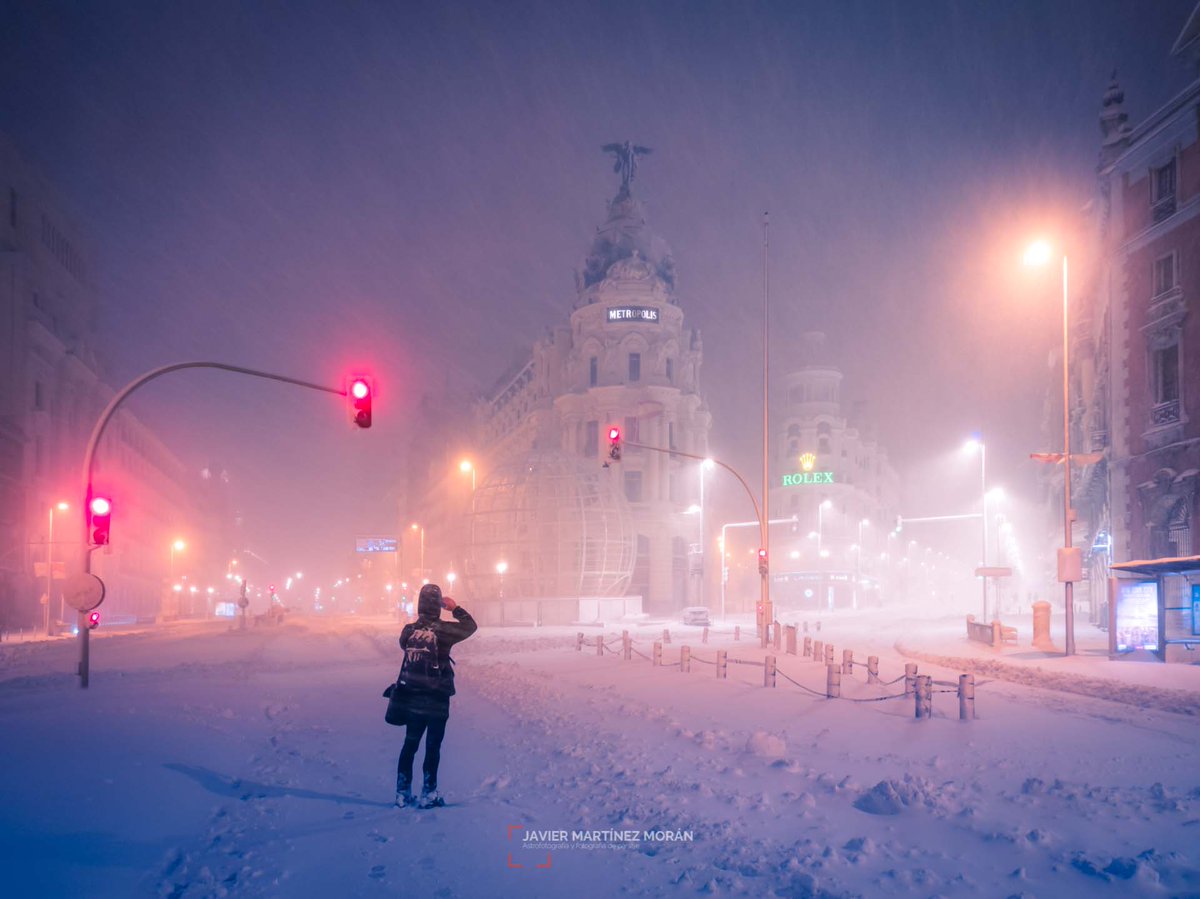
column 378, row 872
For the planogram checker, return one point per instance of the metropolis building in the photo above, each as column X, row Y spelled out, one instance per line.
column 555, row 524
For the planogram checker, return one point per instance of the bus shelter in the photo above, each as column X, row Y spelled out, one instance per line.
column 1154, row 610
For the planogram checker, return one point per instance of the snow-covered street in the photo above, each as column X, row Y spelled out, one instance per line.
column 208, row 762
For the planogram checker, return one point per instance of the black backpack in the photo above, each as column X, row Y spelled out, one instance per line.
column 422, row 669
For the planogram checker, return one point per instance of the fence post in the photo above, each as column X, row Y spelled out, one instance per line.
column 791, row 639
column 808, row 647
column 818, row 651
column 704, row 635
column 778, row 635
column 626, row 645
column 721, row 664
column 737, row 632
column 872, row 669
column 966, row 697
column 599, row 644
column 666, row 636
column 828, row 654
column 910, row 677
column 769, row 671
column 657, row 654
column 847, row 661
column 924, row 696
column 833, row 682
column 685, row 659
column 579, row 642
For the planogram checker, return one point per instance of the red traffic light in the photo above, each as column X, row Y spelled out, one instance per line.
column 93, row 620
column 360, row 392
column 271, row 589
column 762, row 561
column 99, row 520
column 614, row 437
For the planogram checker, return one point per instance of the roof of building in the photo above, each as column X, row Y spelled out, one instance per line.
column 1178, row 565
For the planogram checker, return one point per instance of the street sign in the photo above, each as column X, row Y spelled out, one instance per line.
column 993, row 572
column 83, row 592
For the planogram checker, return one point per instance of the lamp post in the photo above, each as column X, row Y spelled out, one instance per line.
column 417, row 527
column 976, row 444
column 464, row 466
column 177, row 545
column 1040, row 253
column 59, row 507
column 706, row 466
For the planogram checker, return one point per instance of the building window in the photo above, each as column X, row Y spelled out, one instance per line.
column 593, row 371
column 1162, row 191
column 1166, row 374
column 823, row 433
column 1164, row 274
column 671, row 371
column 591, row 440
column 631, row 429
column 633, row 486
column 635, row 366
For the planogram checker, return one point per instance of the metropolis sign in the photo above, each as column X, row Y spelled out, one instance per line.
column 633, row 314
column 807, row 477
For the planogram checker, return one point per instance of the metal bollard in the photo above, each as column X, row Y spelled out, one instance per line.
column 769, row 671
column 818, row 651
column 657, row 660
column 666, row 636
column 966, row 697
column 704, row 636
column 833, row 682
column 828, row 654
column 777, row 635
column 924, row 696
column 737, row 632
column 818, row 626
column 910, row 677
column 808, row 647
column 721, row 664
column 579, row 642
column 599, row 644
column 847, row 661
column 685, row 659
column 806, row 627
column 626, row 646
column 872, row 669
column 791, row 639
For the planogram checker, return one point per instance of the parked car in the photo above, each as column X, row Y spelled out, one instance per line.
column 697, row 615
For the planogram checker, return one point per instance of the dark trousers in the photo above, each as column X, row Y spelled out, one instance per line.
column 433, row 729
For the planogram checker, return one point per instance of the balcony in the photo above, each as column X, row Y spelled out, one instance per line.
column 1163, row 208
column 1164, row 413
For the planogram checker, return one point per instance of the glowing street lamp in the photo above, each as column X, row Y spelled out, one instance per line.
column 465, row 466
column 1040, row 253
column 501, row 567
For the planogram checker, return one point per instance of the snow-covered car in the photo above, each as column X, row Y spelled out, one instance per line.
column 697, row 615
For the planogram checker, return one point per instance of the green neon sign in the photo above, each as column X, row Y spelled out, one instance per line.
column 807, row 477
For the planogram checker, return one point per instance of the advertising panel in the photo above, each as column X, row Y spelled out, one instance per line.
column 1135, row 616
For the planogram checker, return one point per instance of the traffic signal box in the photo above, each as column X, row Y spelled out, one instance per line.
column 361, row 393
column 99, row 520
column 614, row 440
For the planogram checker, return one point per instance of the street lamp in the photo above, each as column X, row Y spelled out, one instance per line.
column 177, row 545
column 1040, row 253
column 973, row 445
column 464, row 466
column 501, row 567
column 417, row 527
column 58, row 507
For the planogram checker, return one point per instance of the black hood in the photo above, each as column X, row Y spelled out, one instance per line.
column 429, row 603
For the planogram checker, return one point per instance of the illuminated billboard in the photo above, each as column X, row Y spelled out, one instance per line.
column 1135, row 616
column 375, row 544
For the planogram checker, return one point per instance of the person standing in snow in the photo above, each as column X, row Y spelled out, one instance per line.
column 427, row 679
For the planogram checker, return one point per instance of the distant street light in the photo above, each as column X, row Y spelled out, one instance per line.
column 1040, row 253
column 977, row 445
column 57, row 507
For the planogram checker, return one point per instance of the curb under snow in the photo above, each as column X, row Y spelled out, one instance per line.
column 1166, row 699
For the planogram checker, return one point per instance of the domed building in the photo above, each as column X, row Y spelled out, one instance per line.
column 627, row 360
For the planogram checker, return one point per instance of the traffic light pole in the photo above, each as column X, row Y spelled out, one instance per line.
column 89, row 457
column 758, row 516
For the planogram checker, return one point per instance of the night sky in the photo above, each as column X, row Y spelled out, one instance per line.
column 407, row 188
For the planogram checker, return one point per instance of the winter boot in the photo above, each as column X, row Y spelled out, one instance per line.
column 430, row 797
column 404, row 796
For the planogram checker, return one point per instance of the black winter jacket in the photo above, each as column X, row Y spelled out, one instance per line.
column 428, row 703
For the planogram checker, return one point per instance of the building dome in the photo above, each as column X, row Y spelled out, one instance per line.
column 558, row 526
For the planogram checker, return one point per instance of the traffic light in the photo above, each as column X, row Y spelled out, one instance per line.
column 99, row 520
column 614, row 439
column 93, row 620
column 271, row 589
column 762, row 562
column 360, row 401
